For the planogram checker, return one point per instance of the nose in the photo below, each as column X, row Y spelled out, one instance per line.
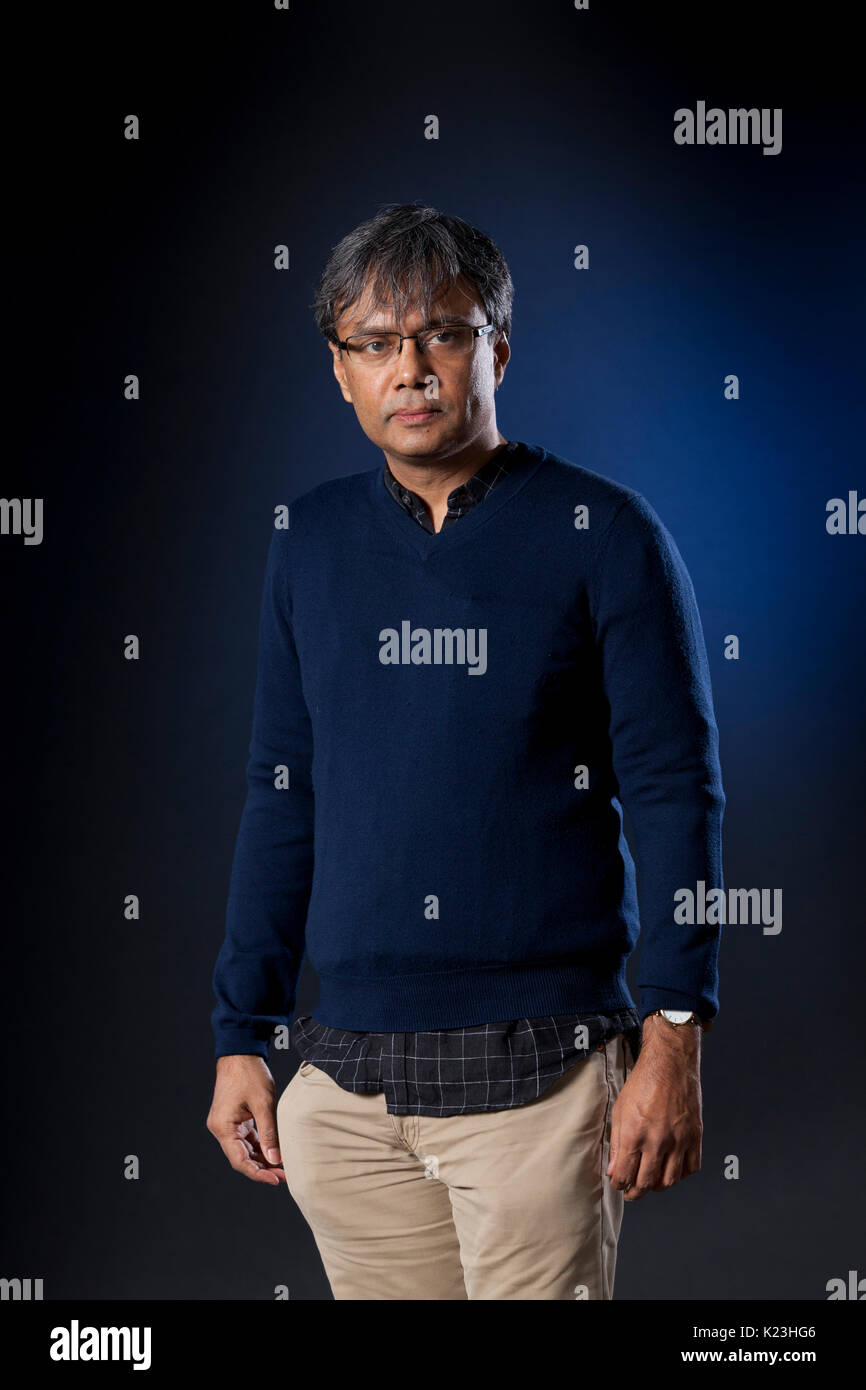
column 409, row 364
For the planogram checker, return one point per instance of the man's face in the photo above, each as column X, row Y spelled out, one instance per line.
column 461, row 397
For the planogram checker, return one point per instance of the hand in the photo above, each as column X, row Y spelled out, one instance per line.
column 656, row 1125
column 243, row 1118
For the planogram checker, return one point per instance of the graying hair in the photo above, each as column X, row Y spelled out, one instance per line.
column 414, row 253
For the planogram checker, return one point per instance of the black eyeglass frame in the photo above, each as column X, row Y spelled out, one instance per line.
column 478, row 331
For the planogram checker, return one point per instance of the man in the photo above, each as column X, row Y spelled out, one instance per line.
column 471, row 658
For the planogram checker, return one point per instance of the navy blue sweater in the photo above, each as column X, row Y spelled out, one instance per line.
column 437, row 889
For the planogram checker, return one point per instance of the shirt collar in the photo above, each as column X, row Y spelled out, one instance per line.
column 462, row 498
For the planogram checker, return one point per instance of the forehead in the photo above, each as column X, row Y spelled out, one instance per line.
column 461, row 298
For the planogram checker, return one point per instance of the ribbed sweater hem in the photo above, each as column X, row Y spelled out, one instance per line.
column 464, row 998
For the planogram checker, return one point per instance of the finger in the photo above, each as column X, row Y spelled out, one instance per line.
column 236, row 1151
column 615, row 1131
column 271, row 1177
column 246, row 1135
column 646, row 1176
column 692, row 1161
column 240, row 1150
column 624, row 1170
column 266, row 1128
column 671, row 1170
column 253, row 1151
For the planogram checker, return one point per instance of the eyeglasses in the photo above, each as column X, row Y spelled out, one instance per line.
column 441, row 344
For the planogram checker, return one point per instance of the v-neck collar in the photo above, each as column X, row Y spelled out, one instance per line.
column 526, row 460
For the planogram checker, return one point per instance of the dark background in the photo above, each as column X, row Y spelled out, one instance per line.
column 155, row 257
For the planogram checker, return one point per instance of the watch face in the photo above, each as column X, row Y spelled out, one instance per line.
column 677, row 1015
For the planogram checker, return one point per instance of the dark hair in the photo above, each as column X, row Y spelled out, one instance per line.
column 415, row 253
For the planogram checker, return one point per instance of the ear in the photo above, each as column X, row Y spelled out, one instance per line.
column 340, row 371
column 501, row 354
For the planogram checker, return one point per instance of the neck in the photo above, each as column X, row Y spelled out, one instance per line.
column 434, row 479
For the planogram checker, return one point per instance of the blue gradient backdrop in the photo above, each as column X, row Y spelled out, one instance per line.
column 156, row 258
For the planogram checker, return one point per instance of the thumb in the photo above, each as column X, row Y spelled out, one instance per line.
column 266, row 1128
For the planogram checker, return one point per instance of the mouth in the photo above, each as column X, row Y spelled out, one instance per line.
column 411, row 417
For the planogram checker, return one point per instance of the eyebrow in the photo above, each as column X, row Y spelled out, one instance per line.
column 458, row 320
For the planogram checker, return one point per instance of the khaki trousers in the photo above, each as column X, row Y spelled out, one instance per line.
column 502, row 1204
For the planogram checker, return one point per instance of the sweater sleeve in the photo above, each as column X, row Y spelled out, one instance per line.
column 665, row 749
column 256, row 971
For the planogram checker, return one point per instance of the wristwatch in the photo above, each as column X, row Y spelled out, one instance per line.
column 677, row 1017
